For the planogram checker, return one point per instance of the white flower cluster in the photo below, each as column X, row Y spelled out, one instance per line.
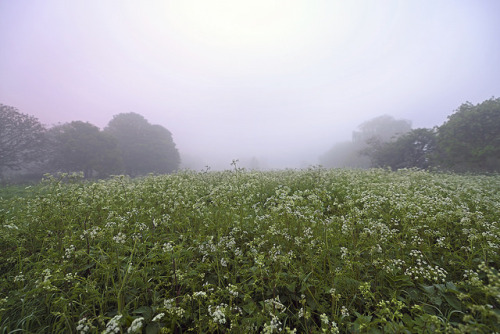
column 172, row 309
column 344, row 311
column 68, row 252
column 110, row 225
column 70, row 276
column 92, row 233
column 142, row 226
column 136, row 325
column 113, row 326
column 227, row 242
column 19, row 278
column 275, row 252
column 46, row 275
column 201, row 294
column 330, row 327
column 472, row 277
column 425, row 270
column 275, row 304
column 233, row 290
column 14, row 227
column 217, row 313
column 120, row 238
column 394, row 266
column 83, row 326
column 158, row 317
column 274, row 325
column 207, row 248
column 344, row 252
column 168, row 247
column 440, row 242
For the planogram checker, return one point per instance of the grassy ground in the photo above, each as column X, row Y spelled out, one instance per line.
column 315, row 251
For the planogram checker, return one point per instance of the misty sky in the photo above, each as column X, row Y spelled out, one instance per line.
column 278, row 80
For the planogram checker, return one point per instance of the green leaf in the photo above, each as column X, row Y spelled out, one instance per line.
column 152, row 329
column 145, row 311
column 249, row 308
column 453, row 301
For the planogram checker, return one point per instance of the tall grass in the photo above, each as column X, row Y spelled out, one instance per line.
column 314, row 251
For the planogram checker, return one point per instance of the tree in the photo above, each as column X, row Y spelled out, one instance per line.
column 413, row 149
column 81, row 146
column 144, row 148
column 470, row 139
column 21, row 139
column 345, row 155
column 381, row 129
column 369, row 137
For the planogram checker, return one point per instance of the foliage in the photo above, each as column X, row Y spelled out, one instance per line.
column 345, row 155
column 470, row 139
column 312, row 251
column 411, row 150
column 21, row 139
column 382, row 129
column 79, row 146
column 365, row 142
column 144, row 148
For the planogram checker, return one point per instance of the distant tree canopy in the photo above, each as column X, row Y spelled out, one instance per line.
column 144, row 148
column 470, row 139
column 381, row 129
column 21, row 139
column 128, row 144
column 369, row 137
column 345, row 155
column 81, row 146
column 413, row 149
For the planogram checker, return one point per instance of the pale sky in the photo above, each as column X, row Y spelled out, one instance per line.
column 281, row 81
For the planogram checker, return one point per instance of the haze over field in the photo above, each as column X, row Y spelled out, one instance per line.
column 280, row 81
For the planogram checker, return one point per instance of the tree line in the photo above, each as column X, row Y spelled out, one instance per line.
column 469, row 141
column 129, row 144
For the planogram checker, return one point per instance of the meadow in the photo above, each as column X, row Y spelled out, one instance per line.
column 292, row 251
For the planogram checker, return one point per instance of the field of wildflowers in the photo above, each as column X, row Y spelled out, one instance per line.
column 294, row 251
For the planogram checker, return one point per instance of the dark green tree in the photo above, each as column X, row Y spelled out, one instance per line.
column 21, row 139
column 413, row 149
column 81, row 146
column 145, row 148
column 470, row 139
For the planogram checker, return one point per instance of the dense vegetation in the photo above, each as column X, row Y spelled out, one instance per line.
column 288, row 251
column 469, row 141
column 128, row 145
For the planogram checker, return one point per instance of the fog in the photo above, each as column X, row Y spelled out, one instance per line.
column 274, row 84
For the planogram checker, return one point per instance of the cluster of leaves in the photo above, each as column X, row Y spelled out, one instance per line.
column 314, row 251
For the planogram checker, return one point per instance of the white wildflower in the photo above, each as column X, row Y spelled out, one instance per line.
column 168, row 247
column 158, row 317
column 19, row 278
column 120, row 238
column 113, row 326
column 136, row 325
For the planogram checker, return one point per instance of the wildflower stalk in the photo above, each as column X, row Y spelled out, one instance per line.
column 120, row 297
